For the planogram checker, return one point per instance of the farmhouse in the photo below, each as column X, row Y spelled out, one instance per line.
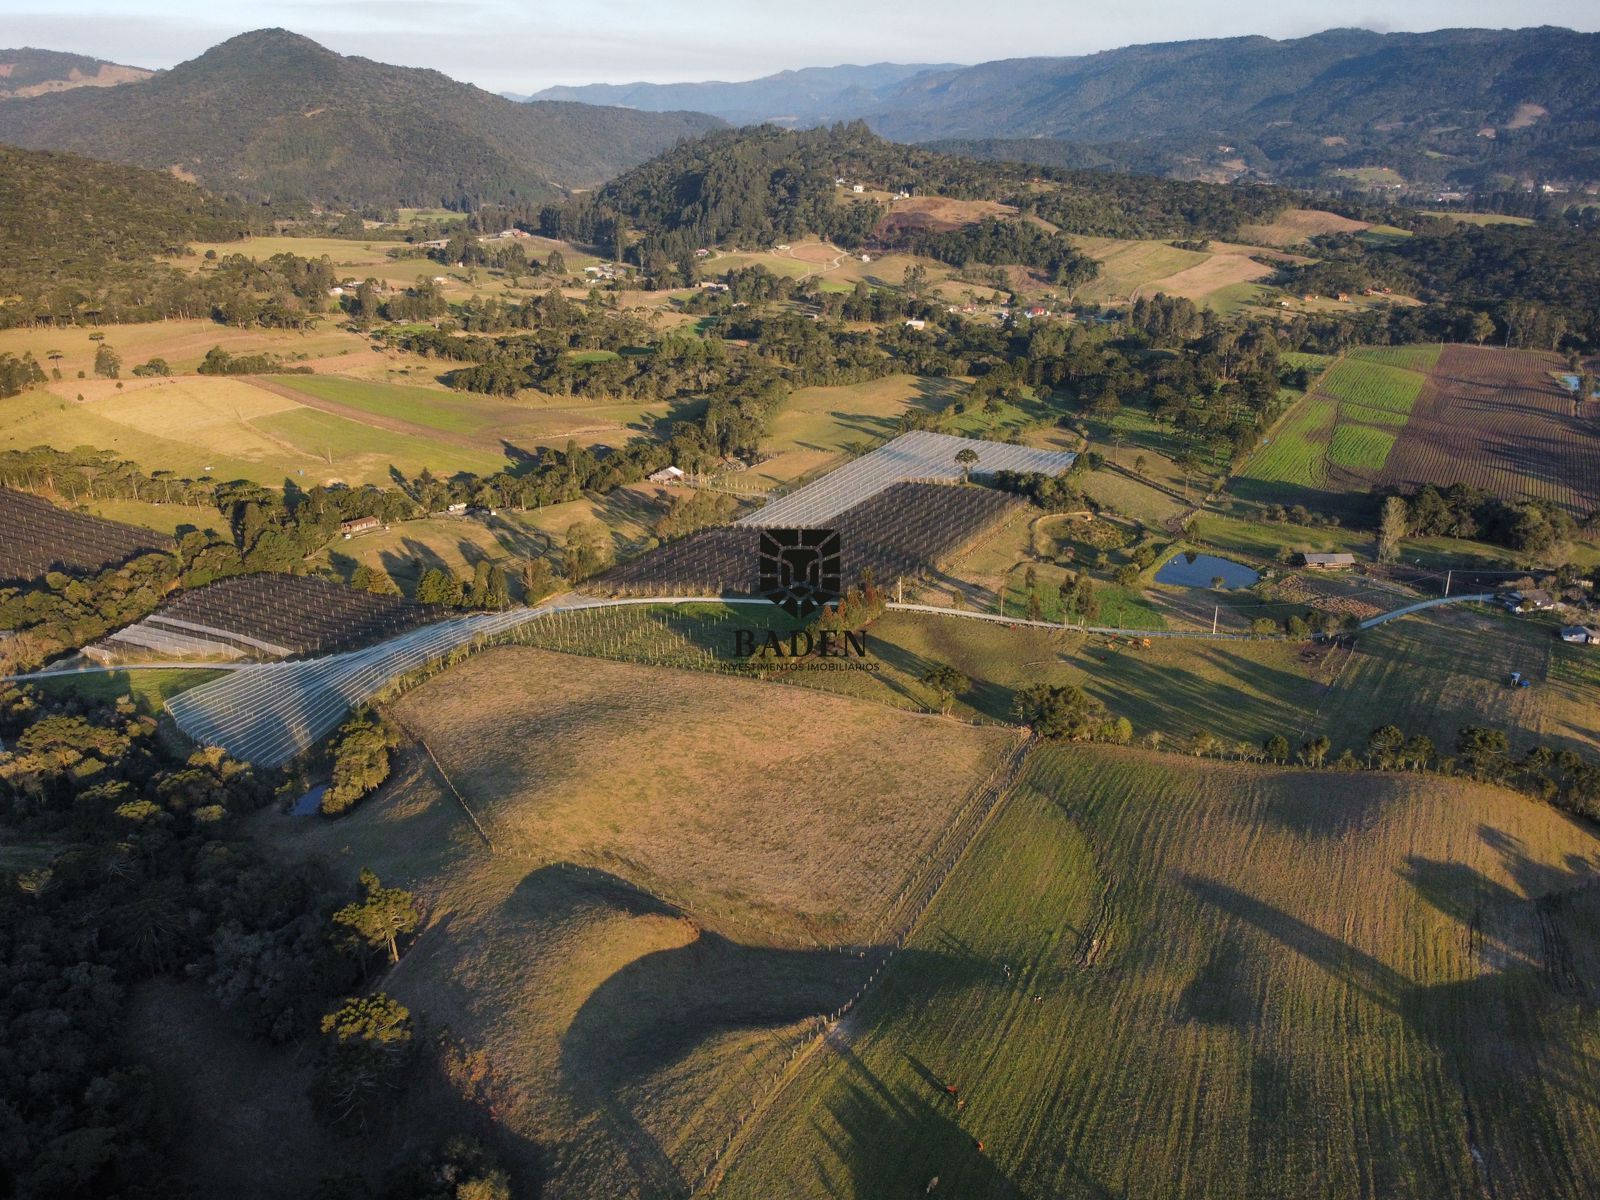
column 359, row 525
column 1327, row 562
column 1534, row 600
column 916, row 323
column 1581, row 635
column 857, row 188
column 666, row 475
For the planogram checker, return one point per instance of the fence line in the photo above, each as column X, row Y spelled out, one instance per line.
column 986, row 800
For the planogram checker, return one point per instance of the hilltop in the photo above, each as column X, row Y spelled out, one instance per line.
column 27, row 71
column 273, row 115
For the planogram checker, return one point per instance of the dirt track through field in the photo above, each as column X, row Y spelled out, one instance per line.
column 1498, row 420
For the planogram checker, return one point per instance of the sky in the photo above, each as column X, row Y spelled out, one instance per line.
column 503, row 45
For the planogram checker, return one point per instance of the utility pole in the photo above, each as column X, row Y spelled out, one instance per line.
column 1447, row 576
column 1216, row 610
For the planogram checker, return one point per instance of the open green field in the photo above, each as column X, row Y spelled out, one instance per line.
column 819, row 425
column 1153, row 978
column 165, row 518
column 1467, row 218
column 1436, row 675
column 148, row 689
column 459, row 543
column 1350, row 419
column 183, row 344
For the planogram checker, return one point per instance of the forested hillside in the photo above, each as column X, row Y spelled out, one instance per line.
column 272, row 115
column 1462, row 105
column 751, row 187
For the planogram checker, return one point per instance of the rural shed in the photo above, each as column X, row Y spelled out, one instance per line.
column 1582, row 635
column 1328, row 562
column 1534, row 600
column 666, row 475
column 358, row 525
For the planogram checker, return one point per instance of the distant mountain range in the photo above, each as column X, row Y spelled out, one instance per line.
column 811, row 96
column 1467, row 107
column 273, row 115
column 27, row 72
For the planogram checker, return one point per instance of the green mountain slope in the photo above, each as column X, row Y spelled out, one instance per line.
column 273, row 115
column 1462, row 104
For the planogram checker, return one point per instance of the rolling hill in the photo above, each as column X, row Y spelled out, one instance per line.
column 803, row 97
column 26, row 72
column 1459, row 105
column 1467, row 107
column 272, row 115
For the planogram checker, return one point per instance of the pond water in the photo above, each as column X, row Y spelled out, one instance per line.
column 1199, row 570
column 311, row 803
column 1570, row 382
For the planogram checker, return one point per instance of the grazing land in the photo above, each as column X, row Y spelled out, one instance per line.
column 37, row 537
column 230, row 428
column 1151, row 976
column 673, row 855
column 1297, row 226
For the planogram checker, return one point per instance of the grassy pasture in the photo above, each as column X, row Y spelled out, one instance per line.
column 148, row 689
column 182, row 343
column 231, row 428
column 1434, row 675
column 164, row 518
column 1297, row 225
column 1156, row 978
column 625, row 1033
column 819, row 425
column 567, row 760
column 1467, row 218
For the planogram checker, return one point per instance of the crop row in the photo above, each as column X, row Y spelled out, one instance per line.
column 37, row 537
column 302, row 614
column 905, row 530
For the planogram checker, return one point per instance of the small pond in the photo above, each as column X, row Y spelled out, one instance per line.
column 1200, row 570
column 1570, row 382
column 310, row 804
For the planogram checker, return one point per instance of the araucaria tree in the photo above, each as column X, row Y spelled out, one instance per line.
column 381, row 916
column 946, row 683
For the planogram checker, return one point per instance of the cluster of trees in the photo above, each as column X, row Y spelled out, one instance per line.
column 1065, row 712
column 220, row 362
column 1535, row 286
column 695, row 511
column 18, row 374
column 360, row 754
column 1535, row 527
column 155, row 876
column 1022, row 243
column 756, row 186
column 1563, row 778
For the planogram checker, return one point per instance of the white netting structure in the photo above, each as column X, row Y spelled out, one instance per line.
column 910, row 457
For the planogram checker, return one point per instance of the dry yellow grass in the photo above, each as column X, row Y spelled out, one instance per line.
column 1295, row 226
column 624, row 1034
column 766, row 813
